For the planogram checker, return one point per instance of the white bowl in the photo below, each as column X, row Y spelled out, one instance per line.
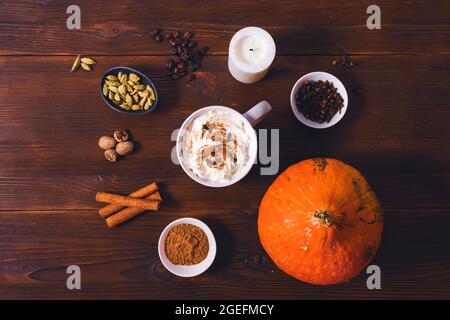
column 193, row 270
column 316, row 76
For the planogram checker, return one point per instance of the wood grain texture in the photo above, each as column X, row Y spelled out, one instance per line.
column 306, row 27
column 37, row 247
column 396, row 133
column 388, row 133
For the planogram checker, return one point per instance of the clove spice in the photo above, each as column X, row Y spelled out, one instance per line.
column 318, row 101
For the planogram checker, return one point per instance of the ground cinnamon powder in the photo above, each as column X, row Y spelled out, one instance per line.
column 186, row 244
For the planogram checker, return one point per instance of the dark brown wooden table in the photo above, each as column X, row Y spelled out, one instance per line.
column 396, row 131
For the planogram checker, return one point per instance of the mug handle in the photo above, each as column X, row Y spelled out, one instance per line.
column 258, row 112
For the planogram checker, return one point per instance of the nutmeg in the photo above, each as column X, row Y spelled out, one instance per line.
column 120, row 135
column 111, row 155
column 124, row 148
column 107, row 142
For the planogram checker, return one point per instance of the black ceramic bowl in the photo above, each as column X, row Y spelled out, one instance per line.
column 145, row 81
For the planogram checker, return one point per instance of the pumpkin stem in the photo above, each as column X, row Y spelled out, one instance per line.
column 324, row 217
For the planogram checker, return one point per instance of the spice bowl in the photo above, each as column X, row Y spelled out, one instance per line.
column 316, row 76
column 144, row 81
column 187, row 270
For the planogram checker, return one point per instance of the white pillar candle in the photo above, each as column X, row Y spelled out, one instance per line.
column 250, row 54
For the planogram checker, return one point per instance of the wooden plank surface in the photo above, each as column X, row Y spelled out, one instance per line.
column 306, row 27
column 121, row 263
column 396, row 132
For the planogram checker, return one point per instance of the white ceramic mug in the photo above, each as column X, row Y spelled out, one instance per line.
column 249, row 118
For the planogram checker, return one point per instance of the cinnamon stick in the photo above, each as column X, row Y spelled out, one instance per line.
column 155, row 197
column 141, row 193
column 126, row 214
column 126, row 201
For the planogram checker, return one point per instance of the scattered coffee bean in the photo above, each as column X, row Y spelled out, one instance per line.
column 187, row 35
column 155, row 32
column 204, row 50
column 189, row 77
column 184, row 57
column 192, row 44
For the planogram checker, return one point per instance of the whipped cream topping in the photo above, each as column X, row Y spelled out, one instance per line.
column 216, row 145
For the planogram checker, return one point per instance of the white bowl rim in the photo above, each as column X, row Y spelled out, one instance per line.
column 193, row 270
column 236, row 178
column 323, row 76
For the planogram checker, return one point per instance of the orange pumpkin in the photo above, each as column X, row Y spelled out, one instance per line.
column 320, row 221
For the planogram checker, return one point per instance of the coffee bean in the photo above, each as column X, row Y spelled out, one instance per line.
column 192, row 44
column 184, row 58
column 189, row 77
column 187, row 35
column 155, row 32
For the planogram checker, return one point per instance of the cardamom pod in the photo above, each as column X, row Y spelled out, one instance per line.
column 134, row 77
column 148, row 104
column 142, row 102
column 128, row 100
column 87, row 61
column 105, row 89
column 112, row 83
column 126, row 91
column 122, row 90
column 85, row 67
column 76, row 64
column 149, row 89
column 113, row 89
